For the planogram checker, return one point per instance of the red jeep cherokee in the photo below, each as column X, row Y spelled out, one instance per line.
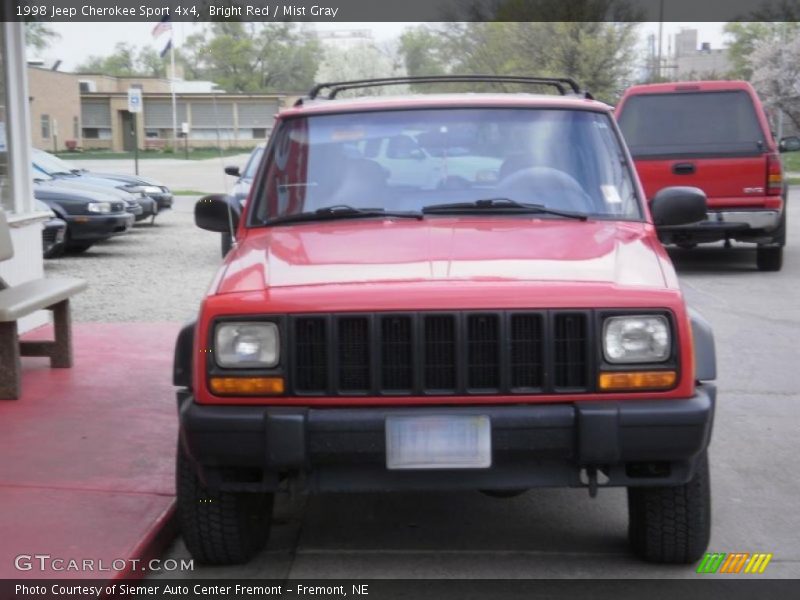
column 516, row 325
column 713, row 135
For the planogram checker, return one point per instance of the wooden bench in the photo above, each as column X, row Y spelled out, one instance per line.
column 21, row 300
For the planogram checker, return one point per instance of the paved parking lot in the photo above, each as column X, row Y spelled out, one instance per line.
column 206, row 175
column 153, row 273
column 160, row 273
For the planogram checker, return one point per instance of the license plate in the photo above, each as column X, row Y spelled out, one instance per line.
column 439, row 442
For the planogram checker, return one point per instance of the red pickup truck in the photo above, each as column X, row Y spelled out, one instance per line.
column 713, row 135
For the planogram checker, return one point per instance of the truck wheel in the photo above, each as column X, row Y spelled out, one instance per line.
column 769, row 259
column 671, row 524
column 220, row 528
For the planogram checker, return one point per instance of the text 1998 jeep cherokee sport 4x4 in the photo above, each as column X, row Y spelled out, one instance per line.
column 515, row 331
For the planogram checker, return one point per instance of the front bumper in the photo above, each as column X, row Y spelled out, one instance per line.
column 149, row 208
column 89, row 228
column 163, row 201
column 641, row 442
column 53, row 236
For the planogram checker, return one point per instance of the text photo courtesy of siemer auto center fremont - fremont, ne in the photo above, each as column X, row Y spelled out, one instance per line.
column 443, row 299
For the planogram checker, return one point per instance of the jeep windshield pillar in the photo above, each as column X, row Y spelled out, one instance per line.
column 438, row 292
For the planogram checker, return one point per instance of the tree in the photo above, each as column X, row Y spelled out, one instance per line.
column 363, row 60
column 253, row 57
column 150, row 63
column 745, row 37
column 39, row 36
column 776, row 75
column 599, row 55
column 122, row 63
column 239, row 57
column 421, row 52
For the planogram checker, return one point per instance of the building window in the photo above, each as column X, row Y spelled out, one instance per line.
column 45, row 127
column 96, row 133
column 259, row 133
column 76, row 128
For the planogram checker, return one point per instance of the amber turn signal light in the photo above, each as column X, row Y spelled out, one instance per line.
column 246, row 386
column 637, row 380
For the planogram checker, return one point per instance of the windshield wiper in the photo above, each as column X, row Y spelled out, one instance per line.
column 341, row 211
column 500, row 205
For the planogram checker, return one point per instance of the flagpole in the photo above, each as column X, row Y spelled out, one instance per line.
column 172, row 91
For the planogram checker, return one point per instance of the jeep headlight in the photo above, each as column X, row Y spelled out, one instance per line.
column 99, row 207
column 636, row 339
column 247, row 345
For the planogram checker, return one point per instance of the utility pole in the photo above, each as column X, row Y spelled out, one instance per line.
column 660, row 35
column 135, row 107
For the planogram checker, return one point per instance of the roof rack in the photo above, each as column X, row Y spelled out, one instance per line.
column 560, row 83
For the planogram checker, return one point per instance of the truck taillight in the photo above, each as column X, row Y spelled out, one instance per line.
column 774, row 175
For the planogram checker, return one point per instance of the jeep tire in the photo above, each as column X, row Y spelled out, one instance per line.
column 671, row 524
column 220, row 528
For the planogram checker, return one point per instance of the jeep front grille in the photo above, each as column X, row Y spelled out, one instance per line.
column 441, row 353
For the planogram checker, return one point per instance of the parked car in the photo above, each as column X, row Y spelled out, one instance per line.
column 527, row 332
column 53, row 232
column 161, row 194
column 713, row 135
column 244, row 179
column 435, row 163
column 91, row 216
column 46, row 163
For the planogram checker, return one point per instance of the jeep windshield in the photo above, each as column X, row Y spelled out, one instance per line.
column 562, row 161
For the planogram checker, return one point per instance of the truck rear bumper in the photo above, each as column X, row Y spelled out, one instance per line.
column 643, row 442
column 756, row 226
column 752, row 219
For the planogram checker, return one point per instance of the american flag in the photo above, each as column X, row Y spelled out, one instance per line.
column 164, row 25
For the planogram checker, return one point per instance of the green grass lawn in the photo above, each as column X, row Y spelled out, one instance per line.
column 791, row 161
column 196, row 154
column 791, row 164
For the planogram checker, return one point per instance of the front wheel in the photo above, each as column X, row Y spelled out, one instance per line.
column 220, row 528
column 671, row 524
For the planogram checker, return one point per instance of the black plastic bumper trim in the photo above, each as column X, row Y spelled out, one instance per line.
column 339, row 449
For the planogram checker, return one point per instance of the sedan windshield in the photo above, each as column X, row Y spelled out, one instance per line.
column 411, row 160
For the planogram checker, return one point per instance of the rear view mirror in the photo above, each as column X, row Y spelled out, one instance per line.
column 789, row 144
column 679, row 206
column 233, row 171
column 217, row 212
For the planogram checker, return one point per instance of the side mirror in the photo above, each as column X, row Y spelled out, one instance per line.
column 789, row 144
column 416, row 154
column 217, row 212
column 679, row 206
column 233, row 171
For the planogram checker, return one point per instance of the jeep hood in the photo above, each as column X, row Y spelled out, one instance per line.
column 444, row 249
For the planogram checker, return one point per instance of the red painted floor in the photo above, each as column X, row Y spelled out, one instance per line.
column 86, row 454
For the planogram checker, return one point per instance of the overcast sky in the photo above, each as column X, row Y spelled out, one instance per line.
column 72, row 48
